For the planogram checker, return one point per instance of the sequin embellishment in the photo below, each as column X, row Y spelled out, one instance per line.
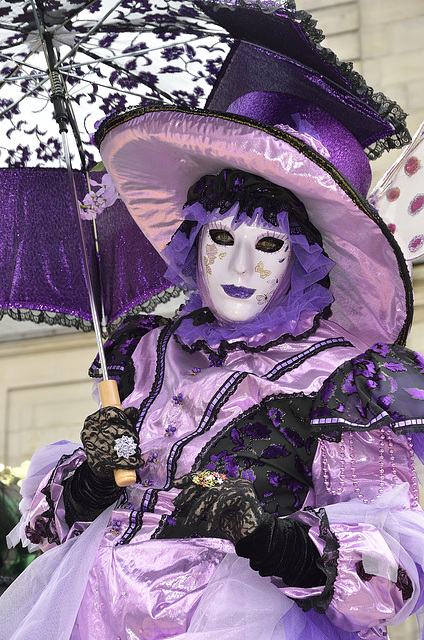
column 125, row 447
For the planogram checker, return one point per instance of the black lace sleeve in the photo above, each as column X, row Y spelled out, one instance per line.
column 119, row 349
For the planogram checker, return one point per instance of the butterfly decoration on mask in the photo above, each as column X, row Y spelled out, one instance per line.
column 211, row 254
column 264, row 273
column 262, row 299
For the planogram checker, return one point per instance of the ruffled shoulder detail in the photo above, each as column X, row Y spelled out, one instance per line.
column 119, row 349
column 217, row 347
column 382, row 387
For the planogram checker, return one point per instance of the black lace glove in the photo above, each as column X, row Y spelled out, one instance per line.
column 231, row 507
column 110, row 440
column 275, row 546
column 92, row 487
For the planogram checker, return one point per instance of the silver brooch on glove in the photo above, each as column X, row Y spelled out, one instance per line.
column 125, row 447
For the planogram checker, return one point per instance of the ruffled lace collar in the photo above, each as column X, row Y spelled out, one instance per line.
column 196, row 329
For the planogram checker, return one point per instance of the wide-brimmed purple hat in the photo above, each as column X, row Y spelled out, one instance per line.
column 301, row 142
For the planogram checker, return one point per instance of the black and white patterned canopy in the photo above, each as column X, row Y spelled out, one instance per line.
column 110, row 54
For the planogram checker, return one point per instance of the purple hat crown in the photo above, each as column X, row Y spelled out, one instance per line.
column 278, row 73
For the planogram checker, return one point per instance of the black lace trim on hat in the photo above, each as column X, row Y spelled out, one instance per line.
column 387, row 109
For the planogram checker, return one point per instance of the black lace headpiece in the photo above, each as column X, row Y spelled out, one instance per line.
column 223, row 190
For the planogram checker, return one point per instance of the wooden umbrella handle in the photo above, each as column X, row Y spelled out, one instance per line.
column 109, row 397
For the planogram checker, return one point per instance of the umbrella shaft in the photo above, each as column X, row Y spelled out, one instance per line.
column 96, row 322
column 58, row 93
column 58, row 99
column 61, row 117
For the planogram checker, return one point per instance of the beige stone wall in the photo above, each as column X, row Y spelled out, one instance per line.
column 45, row 392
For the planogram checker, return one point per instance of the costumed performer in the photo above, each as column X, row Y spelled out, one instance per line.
column 272, row 425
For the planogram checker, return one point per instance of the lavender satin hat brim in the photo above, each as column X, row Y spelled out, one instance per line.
column 154, row 155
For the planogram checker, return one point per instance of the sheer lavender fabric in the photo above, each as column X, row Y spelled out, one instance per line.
column 52, row 590
column 41, row 257
column 258, row 607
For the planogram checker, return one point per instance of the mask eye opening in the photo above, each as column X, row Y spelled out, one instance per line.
column 269, row 244
column 221, row 237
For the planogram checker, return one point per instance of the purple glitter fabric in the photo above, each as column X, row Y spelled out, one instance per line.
column 41, row 258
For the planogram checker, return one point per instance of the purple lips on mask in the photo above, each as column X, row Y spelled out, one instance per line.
column 238, row 292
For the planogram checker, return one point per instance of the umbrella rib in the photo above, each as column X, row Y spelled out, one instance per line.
column 9, row 79
column 93, row 28
column 19, row 65
column 76, row 12
column 151, row 28
column 104, row 86
column 128, row 73
column 126, row 55
column 4, row 25
column 23, row 63
column 39, row 84
column 15, row 104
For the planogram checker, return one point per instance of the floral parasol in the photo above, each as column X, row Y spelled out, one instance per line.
column 102, row 56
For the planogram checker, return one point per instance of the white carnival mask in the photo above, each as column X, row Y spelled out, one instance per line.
column 242, row 267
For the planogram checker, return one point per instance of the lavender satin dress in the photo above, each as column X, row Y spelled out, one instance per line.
column 124, row 581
